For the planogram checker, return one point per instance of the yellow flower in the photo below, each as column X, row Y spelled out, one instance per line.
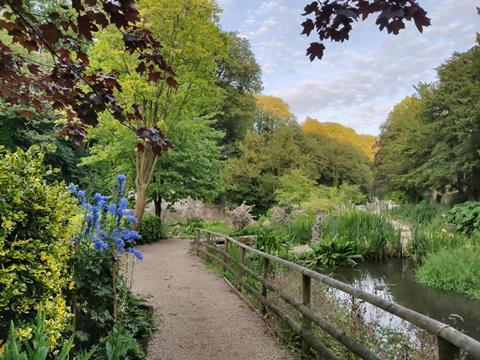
column 24, row 333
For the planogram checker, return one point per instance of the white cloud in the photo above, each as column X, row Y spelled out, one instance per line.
column 357, row 82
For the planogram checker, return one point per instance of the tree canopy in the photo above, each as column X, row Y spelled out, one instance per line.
column 431, row 141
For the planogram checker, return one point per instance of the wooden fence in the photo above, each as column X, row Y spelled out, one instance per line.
column 452, row 344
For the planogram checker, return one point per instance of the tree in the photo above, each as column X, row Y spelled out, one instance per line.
column 39, row 129
column 64, row 83
column 335, row 162
column 253, row 176
column 191, row 41
column 398, row 150
column 339, row 132
column 240, row 76
column 332, row 20
column 191, row 168
column 271, row 113
column 431, row 141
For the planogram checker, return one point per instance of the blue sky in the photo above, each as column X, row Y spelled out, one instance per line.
column 357, row 82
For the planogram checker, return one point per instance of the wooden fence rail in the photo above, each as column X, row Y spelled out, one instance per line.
column 452, row 344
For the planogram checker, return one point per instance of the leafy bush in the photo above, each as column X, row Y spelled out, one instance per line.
column 333, row 252
column 456, row 270
column 192, row 224
column 372, row 235
column 151, row 229
column 36, row 228
column 271, row 242
column 466, row 217
column 120, row 344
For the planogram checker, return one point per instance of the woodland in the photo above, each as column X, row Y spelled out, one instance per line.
column 114, row 112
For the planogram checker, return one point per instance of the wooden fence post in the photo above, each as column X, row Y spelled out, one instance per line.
column 447, row 351
column 240, row 271
column 306, row 300
column 266, row 263
column 197, row 242
column 225, row 259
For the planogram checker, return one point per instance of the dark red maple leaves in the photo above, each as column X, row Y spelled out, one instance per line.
column 332, row 20
column 65, row 84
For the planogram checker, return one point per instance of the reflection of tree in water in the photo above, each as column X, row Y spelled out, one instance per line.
column 395, row 281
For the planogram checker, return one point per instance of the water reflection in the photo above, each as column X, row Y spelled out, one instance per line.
column 394, row 280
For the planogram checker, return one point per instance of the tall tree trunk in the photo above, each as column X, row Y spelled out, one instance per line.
column 157, row 200
column 144, row 165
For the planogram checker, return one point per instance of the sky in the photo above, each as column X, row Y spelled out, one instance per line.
column 358, row 82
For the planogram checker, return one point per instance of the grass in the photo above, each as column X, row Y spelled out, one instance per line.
column 372, row 235
column 421, row 213
column 299, row 229
column 429, row 239
column 457, row 270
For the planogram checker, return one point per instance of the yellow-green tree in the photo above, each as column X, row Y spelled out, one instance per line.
column 192, row 41
column 342, row 133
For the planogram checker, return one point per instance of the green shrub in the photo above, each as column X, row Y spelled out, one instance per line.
column 457, row 270
column 36, row 229
column 271, row 242
column 465, row 217
column 330, row 253
column 193, row 223
column 372, row 235
column 151, row 229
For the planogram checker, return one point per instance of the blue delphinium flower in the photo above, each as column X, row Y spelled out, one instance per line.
column 104, row 233
column 137, row 253
column 81, row 196
column 99, row 244
column 121, row 178
column 112, row 209
column 132, row 219
column 131, row 235
column 72, row 188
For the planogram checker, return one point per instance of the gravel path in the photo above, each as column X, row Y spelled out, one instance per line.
column 199, row 316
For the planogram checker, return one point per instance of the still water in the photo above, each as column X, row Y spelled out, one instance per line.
column 395, row 281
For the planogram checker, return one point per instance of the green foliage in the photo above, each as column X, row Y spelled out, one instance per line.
column 465, row 217
column 151, row 229
column 294, row 188
column 430, row 141
column 33, row 343
column 372, row 235
column 270, row 241
column 331, row 253
column 455, row 270
column 119, row 344
column 36, row 227
column 431, row 239
column 420, row 213
column 299, row 229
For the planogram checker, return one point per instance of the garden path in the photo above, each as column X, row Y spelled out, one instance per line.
column 199, row 316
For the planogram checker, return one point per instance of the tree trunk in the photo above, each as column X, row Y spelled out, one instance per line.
column 145, row 162
column 157, row 200
column 140, row 200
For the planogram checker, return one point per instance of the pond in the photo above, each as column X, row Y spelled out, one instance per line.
column 395, row 280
